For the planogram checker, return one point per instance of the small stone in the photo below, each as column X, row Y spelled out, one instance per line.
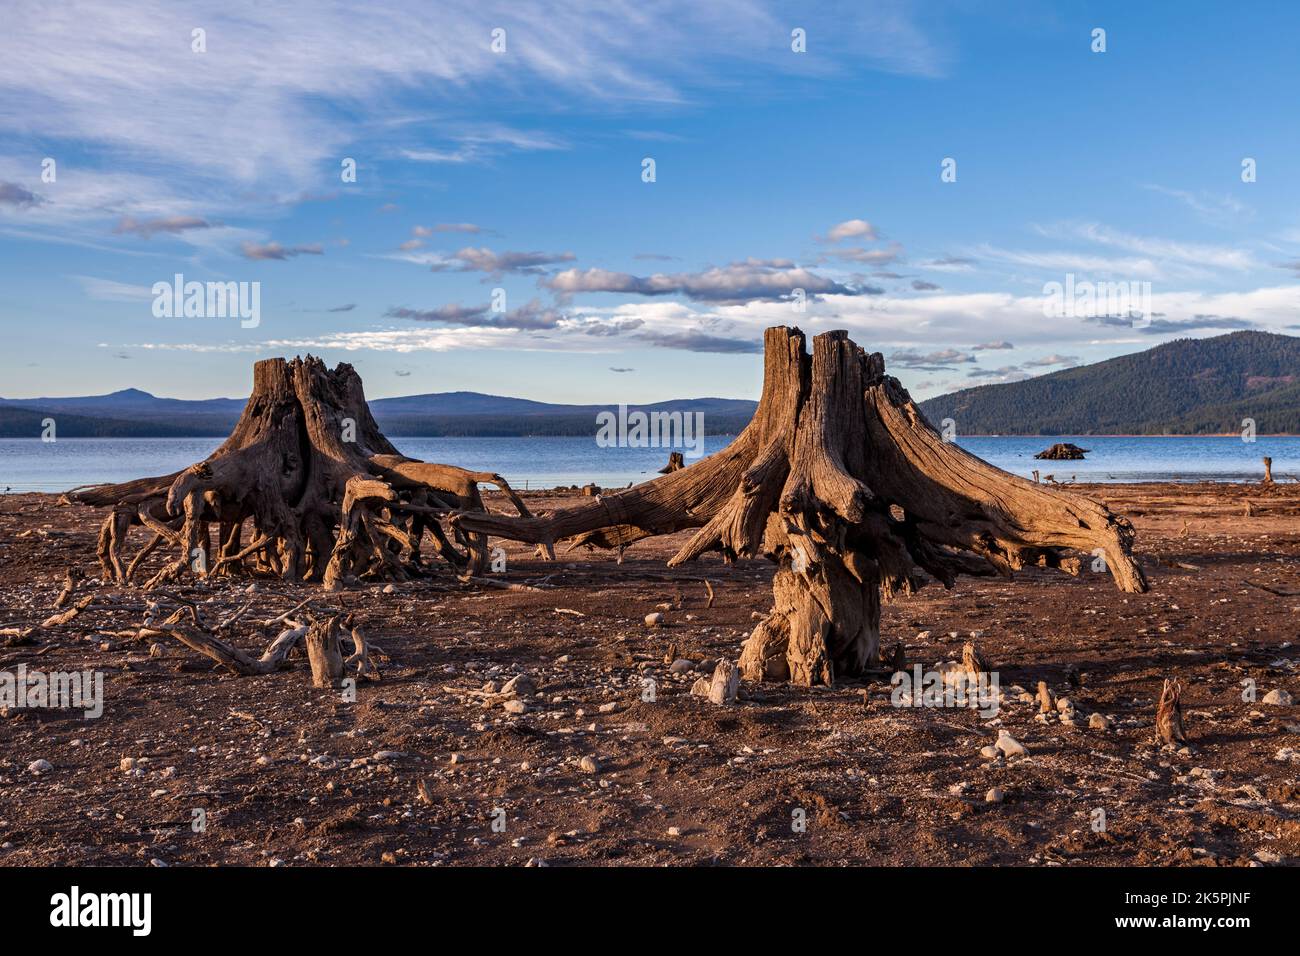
column 127, row 764
column 990, row 752
column 515, row 707
column 654, row 620
column 589, row 764
column 993, row 796
column 681, row 666
column 1099, row 722
column 609, row 708
column 521, row 684
column 1278, row 698
column 701, row 687
column 674, row 831
column 389, row 856
column 39, row 767
column 1009, row 745
column 390, row 588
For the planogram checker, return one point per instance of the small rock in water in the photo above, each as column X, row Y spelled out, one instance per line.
column 1278, row 698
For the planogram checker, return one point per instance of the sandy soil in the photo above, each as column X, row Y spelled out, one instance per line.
column 416, row 769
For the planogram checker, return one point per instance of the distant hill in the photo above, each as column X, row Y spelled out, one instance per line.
column 133, row 413
column 1185, row 387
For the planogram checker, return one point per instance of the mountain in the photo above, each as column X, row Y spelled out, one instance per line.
column 1184, row 387
column 134, row 413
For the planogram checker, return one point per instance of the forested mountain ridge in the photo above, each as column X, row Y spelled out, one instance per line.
column 1185, row 387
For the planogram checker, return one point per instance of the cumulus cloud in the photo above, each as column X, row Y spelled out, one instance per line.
column 851, row 229
column 991, row 346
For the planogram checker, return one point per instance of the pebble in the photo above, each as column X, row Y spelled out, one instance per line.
column 40, row 766
column 1099, row 722
column 681, row 666
column 990, row 752
column 589, row 764
column 654, row 620
column 515, row 707
column 674, row 831
column 993, row 796
column 609, row 708
column 128, row 764
column 1278, row 698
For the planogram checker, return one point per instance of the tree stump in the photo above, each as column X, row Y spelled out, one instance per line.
column 325, row 653
column 676, row 462
column 841, row 481
column 327, row 496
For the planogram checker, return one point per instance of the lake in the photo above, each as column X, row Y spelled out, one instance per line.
column 32, row 465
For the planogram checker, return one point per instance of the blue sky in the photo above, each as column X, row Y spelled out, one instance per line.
column 521, row 170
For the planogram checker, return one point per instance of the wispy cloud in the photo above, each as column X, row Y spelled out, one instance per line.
column 737, row 282
column 147, row 228
column 276, row 252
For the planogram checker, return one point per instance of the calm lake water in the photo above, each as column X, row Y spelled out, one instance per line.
column 32, row 465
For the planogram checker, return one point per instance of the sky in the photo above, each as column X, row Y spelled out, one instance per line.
column 609, row 201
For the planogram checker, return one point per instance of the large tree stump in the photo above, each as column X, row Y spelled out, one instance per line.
column 840, row 480
column 327, row 496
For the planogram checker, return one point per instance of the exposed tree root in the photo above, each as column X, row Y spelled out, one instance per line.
column 841, row 481
column 325, row 495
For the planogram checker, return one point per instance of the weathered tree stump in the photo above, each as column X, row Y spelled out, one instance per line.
column 676, row 462
column 840, row 480
column 1063, row 451
column 327, row 496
